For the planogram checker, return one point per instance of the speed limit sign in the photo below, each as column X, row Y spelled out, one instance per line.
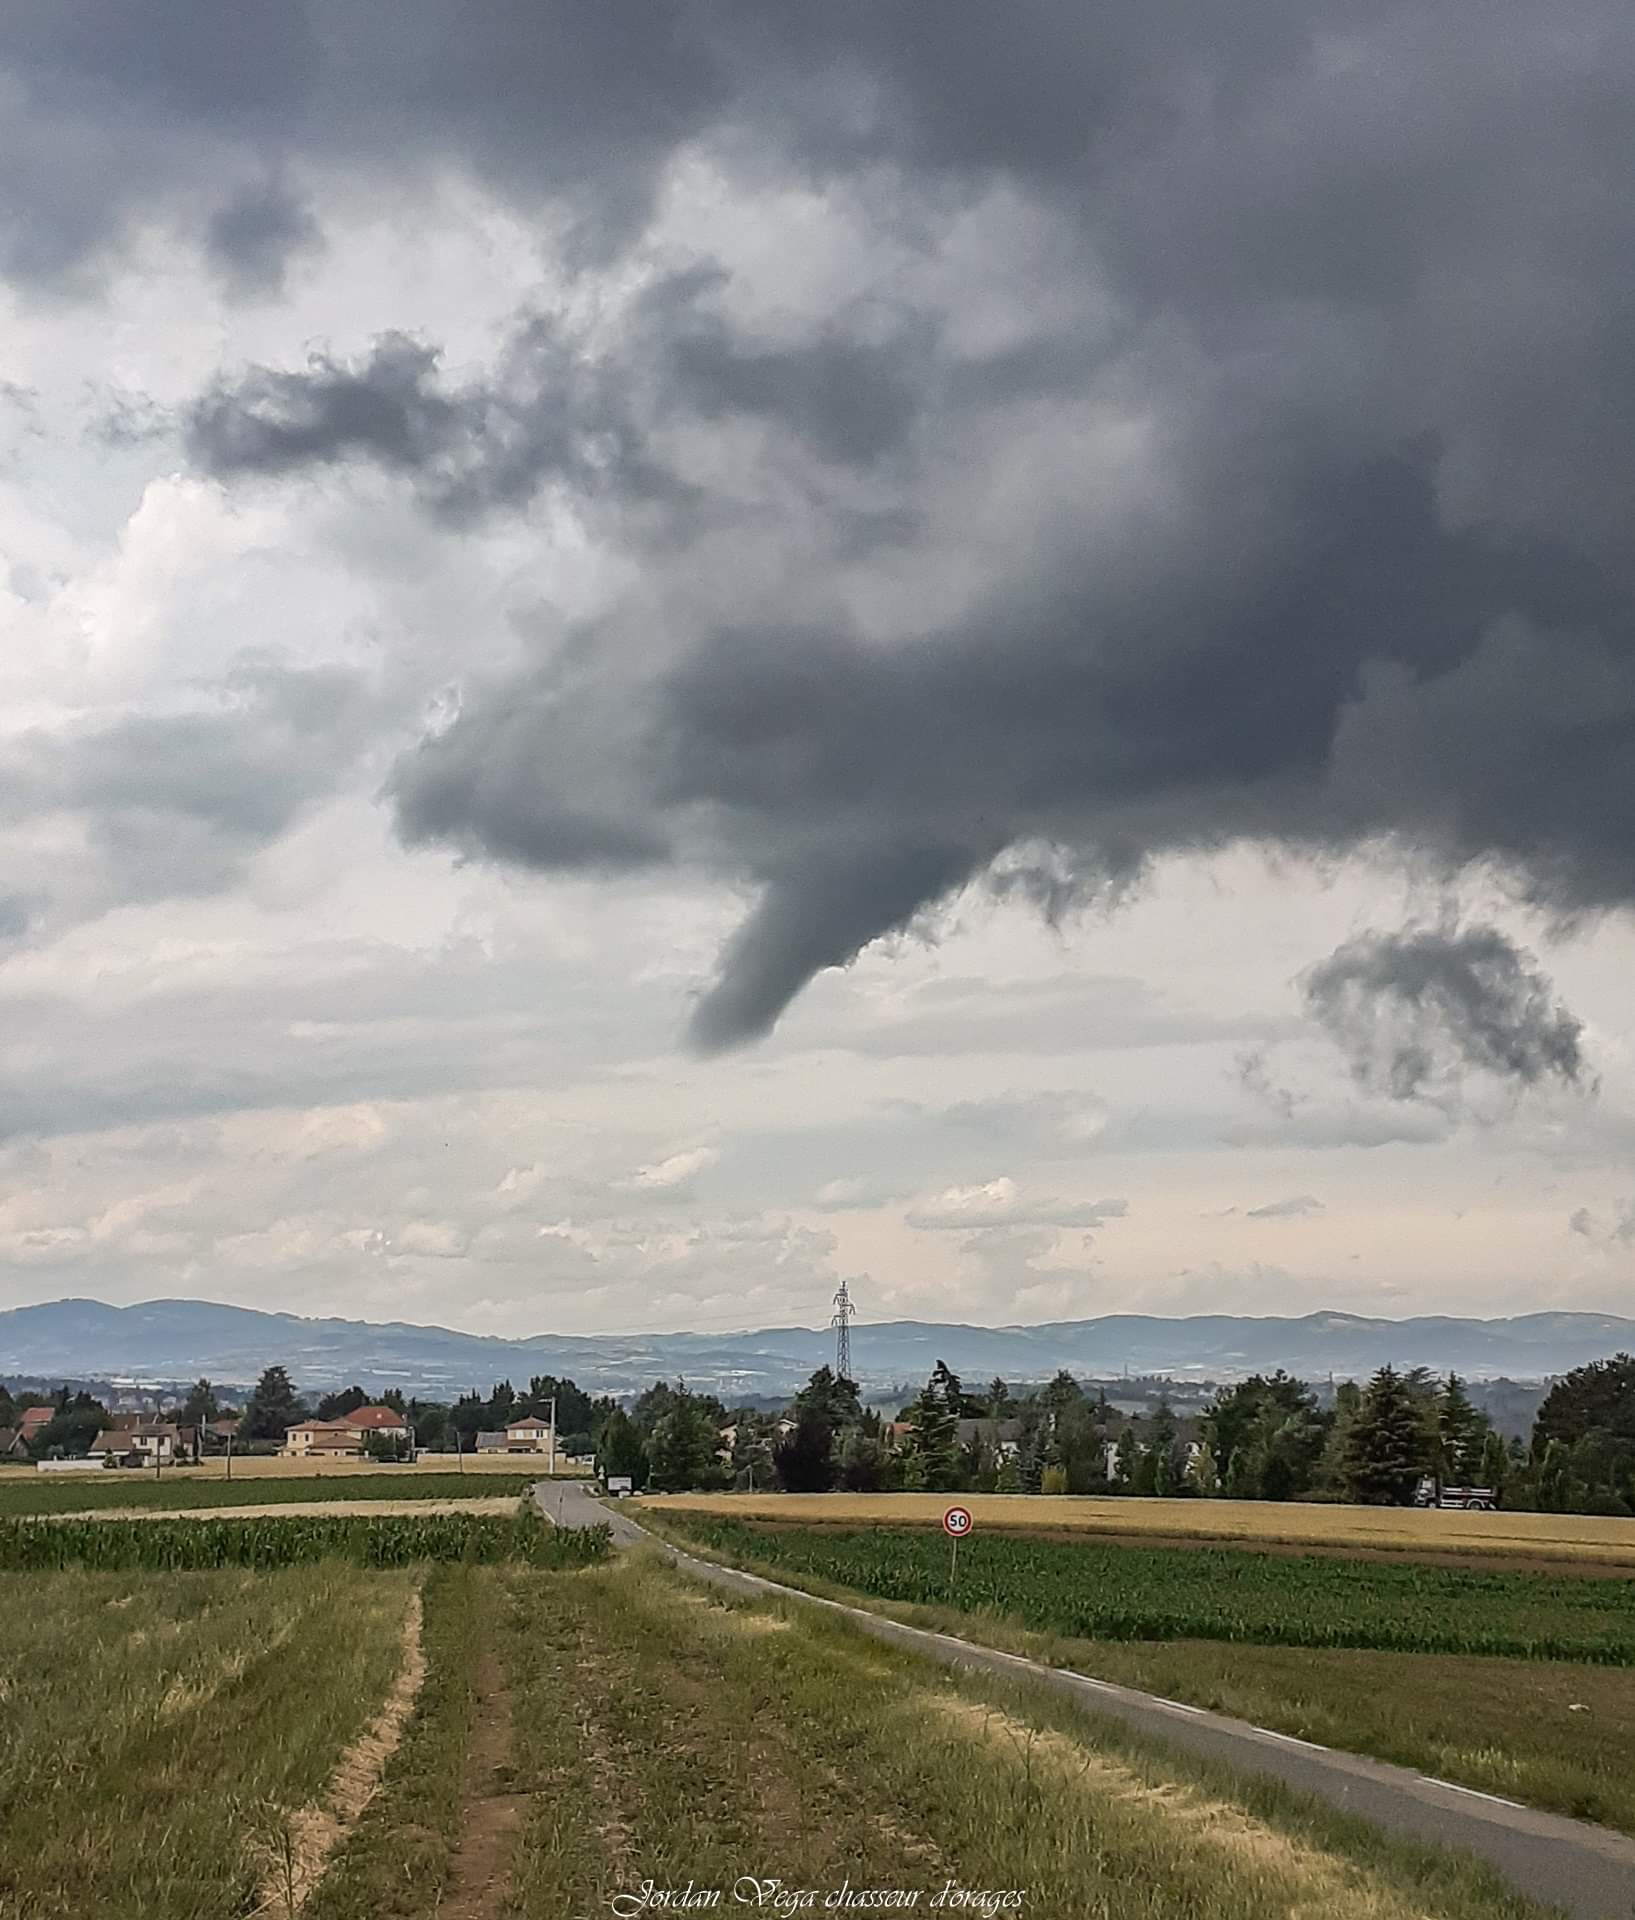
column 956, row 1522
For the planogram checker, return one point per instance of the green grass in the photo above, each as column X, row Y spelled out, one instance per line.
column 1550, row 1733
column 1555, row 1734
column 42, row 1494
column 384, row 1540
column 660, row 1735
column 395, row 1862
column 718, row 1740
column 1094, row 1590
column 149, row 1722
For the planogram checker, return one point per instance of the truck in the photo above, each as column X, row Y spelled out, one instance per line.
column 1472, row 1499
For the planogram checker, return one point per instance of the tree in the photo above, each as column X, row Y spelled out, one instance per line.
column 1388, row 1447
column 832, row 1398
column 1053, row 1480
column 683, row 1448
column 201, row 1406
column 1596, row 1398
column 1460, row 1434
column 72, row 1429
column 336, row 1406
column 1127, row 1459
column 575, row 1410
column 933, row 1419
column 999, row 1398
column 804, row 1459
column 621, row 1451
column 1162, row 1444
column 387, row 1446
column 863, row 1464
column 1494, row 1470
column 1203, row 1472
column 751, row 1449
column 272, row 1409
column 1271, row 1428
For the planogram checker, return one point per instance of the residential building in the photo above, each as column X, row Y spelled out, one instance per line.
column 386, row 1421
column 31, row 1419
column 491, row 1442
column 332, row 1437
column 1003, row 1436
column 11, row 1444
column 149, row 1443
column 530, row 1436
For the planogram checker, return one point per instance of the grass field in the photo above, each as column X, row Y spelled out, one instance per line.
column 1394, row 1530
column 129, row 1492
column 155, row 1728
column 619, row 1726
column 1556, row 1734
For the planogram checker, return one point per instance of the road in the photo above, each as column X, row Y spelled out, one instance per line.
column 1587, row 1870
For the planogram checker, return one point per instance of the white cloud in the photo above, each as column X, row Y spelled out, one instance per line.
column 675, row 1171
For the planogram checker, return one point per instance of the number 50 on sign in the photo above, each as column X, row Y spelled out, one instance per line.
column 956, row 1523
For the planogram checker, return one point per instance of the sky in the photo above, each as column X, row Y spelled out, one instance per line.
column 655, row 657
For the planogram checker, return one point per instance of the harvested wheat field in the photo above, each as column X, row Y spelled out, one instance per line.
column 1512, row 1536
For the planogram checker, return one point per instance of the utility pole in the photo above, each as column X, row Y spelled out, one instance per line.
column 842, row 1324
column 550, row 1461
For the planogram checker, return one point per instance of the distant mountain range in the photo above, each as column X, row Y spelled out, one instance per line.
column 175, row 1340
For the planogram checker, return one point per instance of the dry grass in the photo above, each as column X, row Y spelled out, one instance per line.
column 1512, row 1536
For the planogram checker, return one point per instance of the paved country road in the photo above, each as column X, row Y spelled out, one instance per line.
column 1588, row 1870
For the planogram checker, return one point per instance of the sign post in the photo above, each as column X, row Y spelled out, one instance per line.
column 956, row 1523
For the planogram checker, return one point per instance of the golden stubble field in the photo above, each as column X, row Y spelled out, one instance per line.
column 1513, row 1536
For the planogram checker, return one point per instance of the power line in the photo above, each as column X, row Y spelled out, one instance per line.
column 842, row 1324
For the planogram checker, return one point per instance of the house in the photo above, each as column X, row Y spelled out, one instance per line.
column 386, row 1421
column 31, row 1419
column 148, row 1443
column 1003, row 1436
column 491, row 1443
column 219, row 1435
column 11, row 1444
column 335, row 1438
column 530, row 1436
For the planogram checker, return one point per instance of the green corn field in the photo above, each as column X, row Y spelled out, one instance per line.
column 396, row 1540
column 1114, row 1592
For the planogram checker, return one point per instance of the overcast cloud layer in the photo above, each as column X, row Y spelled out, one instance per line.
column 535, row 537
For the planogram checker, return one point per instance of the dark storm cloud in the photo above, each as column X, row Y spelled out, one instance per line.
column 252, row 237
column 1405, row 1007
column 547, row 415
column 1298, row 513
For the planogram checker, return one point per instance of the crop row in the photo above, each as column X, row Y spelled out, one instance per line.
column 395, row 1540
column 1095, row 1590
column 22, row 1494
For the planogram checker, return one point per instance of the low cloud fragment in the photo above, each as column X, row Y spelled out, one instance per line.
column 1299, row 1207
column 1411, row 1010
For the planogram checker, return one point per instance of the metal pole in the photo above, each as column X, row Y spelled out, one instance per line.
column 550, row 1462
column 953, row 1563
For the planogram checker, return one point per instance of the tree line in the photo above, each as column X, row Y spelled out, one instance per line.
column 1268, row 1437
